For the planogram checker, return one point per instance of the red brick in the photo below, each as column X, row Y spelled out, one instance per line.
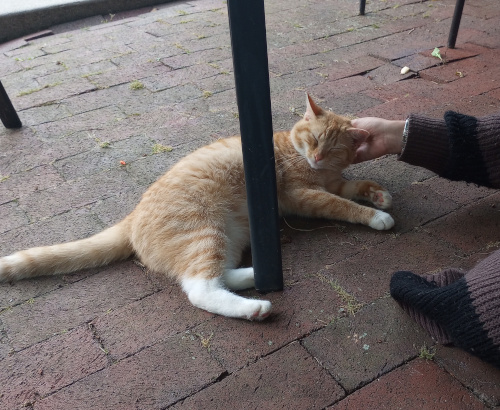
column 341, row 69
column 51, row 231
column 479, row 377
column 461, row 71
column 358, row 349
column 494, row 93
column 81, row 125
column 477, row 105
column 11, row 216
column 471, row 228
column 414, row 88
column 417, row 62
column 460, row 192
column 127, row 330
column 484, row 9
column 72, row 305
column 178, row 77
column 305, row 305
column 360, row 260
column 101, row 159
column 392, row 174
column 113, row 209
column 333, row 89
column 387, row 74
column 76, row 194
column 332, row 241
column 127, row 74
column 350, row 104
column 418, row 384
column 25, row 183
column 55, row 91
column 47, row 367
column 190, row 59
column 289, row 378
column 398, row 109
column 155, row 378
column 417, row 205
column 425, row 59
column 367, row 275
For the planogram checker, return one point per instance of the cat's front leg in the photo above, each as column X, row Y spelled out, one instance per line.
column 365, row 191
column 316, row 203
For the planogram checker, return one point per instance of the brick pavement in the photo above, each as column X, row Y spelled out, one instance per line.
column 98, row 92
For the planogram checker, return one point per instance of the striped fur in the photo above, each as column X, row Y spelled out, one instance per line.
column 193, row 222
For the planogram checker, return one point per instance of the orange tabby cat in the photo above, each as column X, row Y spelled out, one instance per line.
column 193, row 222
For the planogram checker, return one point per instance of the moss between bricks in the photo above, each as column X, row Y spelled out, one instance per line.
column 136, row 85
column 35, row 90
column 158, row 148
column 351, row 305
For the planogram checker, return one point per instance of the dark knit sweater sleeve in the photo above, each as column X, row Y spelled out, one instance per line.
column 458, row 147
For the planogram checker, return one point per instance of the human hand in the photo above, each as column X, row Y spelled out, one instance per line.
column 386, row 137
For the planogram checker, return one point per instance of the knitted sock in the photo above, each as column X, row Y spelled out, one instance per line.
column 466, row 310
column 437, row 332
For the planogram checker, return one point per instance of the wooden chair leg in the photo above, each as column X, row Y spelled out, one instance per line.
column 8, row 114
column 455, row 23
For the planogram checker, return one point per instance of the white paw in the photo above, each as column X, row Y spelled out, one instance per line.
column 381, row 199
column 260, row 310
column 381, row 221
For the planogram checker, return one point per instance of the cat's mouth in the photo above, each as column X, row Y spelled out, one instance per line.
column 316, row 164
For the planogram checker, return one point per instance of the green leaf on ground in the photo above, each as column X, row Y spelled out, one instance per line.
column 436, row 53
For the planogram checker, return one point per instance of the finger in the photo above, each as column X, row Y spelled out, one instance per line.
column 360, row 155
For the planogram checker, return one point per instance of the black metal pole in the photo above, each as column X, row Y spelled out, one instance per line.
column 362, row 4
column 455, row 23
column 253, row 95
column 8, row 114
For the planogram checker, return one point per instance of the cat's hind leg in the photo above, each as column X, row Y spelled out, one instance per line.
column 210, row 295
column 239, row 279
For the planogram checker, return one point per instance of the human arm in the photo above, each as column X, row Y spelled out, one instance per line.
column 458, row 147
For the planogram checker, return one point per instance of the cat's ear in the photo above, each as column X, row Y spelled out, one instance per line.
column 359, row 135
column 312, row 110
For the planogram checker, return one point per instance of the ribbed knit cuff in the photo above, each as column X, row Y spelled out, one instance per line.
column 466, row 159
column 488, row 131
column 436, row 331
column 427, row 144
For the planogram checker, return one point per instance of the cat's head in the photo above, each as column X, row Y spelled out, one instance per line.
column 326, row 140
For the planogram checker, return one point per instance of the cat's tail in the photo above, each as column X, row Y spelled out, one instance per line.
column 107, row 246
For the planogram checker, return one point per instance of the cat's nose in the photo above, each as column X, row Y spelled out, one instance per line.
column 318, row 157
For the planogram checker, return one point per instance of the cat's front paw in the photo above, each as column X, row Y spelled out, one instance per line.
column 381, row 221
column 381, row 199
